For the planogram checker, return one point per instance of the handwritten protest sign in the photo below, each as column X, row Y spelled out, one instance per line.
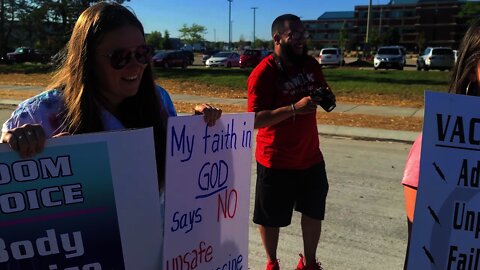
column 208, row 193
column 446, row 226
column 86, row 202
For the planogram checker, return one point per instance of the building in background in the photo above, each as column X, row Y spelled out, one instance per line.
column 327, row 29
column 413, row 24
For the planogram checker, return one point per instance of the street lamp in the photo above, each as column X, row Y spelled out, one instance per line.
column 368, row 20
column 254, row 9
column 230, row 24
column 367, row 47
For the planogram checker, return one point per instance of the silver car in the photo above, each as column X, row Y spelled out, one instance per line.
column 389, row 57
column 436, row 58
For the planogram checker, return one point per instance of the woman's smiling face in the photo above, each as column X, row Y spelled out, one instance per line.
column 114, row 83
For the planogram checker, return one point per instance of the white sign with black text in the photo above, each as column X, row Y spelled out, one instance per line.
column 446, row 227
column 208, row 172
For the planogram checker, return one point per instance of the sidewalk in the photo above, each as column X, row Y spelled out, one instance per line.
column 343, row 131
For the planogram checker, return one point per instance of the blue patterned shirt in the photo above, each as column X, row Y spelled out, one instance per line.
column 46, row 110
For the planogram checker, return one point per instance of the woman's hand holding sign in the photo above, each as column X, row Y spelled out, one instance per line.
column 27, row 140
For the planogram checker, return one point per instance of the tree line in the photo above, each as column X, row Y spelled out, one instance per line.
column 195, row 34
column 42, row 24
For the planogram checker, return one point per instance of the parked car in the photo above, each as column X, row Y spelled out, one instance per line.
column 331, row 56
column 389, row 57
column 208, row 54
column 26, row 54
column 441, row 58
column 4, row 59
column 251, row 58
column 224, row 59
column 189, row 55
column 167, row 59
column 403, row 50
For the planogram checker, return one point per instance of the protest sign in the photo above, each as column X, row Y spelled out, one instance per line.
column 86, row 202
column 446, row 226
column 208, row 193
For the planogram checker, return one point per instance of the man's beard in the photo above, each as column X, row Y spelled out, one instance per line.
column 288, row 54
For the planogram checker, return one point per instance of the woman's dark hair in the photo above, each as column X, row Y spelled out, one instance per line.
column 80, row 88
column 467, row 61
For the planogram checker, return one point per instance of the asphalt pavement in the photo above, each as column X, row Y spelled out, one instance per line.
column 7, row 105
column 365, row 225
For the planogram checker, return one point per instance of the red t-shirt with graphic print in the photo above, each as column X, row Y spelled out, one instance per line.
column 292, row 143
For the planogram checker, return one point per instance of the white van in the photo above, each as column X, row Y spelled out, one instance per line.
column 441, row 58
column 331, row 56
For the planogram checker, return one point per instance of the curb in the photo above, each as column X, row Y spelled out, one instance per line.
column 368, row 133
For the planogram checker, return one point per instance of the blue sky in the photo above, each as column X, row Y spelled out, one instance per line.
column 161, row 15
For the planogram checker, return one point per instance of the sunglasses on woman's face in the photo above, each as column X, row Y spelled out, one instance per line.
column 121, row 57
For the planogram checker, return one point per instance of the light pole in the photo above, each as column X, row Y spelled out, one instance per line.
column 380, row 23
column 367, row 47
column 230, row 24
column 254, row 9
column 368, row 21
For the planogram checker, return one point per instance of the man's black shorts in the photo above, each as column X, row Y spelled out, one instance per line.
column 278, row 192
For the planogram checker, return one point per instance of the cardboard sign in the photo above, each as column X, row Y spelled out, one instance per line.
column 208, row 192
column 446, row 226
column 86, row 202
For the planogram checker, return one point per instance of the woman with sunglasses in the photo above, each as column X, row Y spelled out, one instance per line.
column 104, row 83
column 465, row 80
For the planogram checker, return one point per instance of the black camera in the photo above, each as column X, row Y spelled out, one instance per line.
column 324, row 98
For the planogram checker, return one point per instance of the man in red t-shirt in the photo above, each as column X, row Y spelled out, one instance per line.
column 290, row 167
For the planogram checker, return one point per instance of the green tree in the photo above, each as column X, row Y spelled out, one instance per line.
column 33, row 20
column 375, row 39
column 392, row 37
column 421, row 41
column 219, row 45
column 343, row 38
column 43, row 23
column 268, row 44
column 193, row 34
column 310, row 44
column 241, row 42
column 155, row 40
column 6, row 18
column 258, row 43
column 470, row 11
column 167, row 43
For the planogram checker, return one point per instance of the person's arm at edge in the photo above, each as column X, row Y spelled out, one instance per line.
column 210, row 113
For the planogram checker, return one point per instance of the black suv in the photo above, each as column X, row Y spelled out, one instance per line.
column 26, row 54
column 167, row 59
column 189, row 55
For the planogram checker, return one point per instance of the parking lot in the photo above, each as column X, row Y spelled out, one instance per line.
column 409, row 66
